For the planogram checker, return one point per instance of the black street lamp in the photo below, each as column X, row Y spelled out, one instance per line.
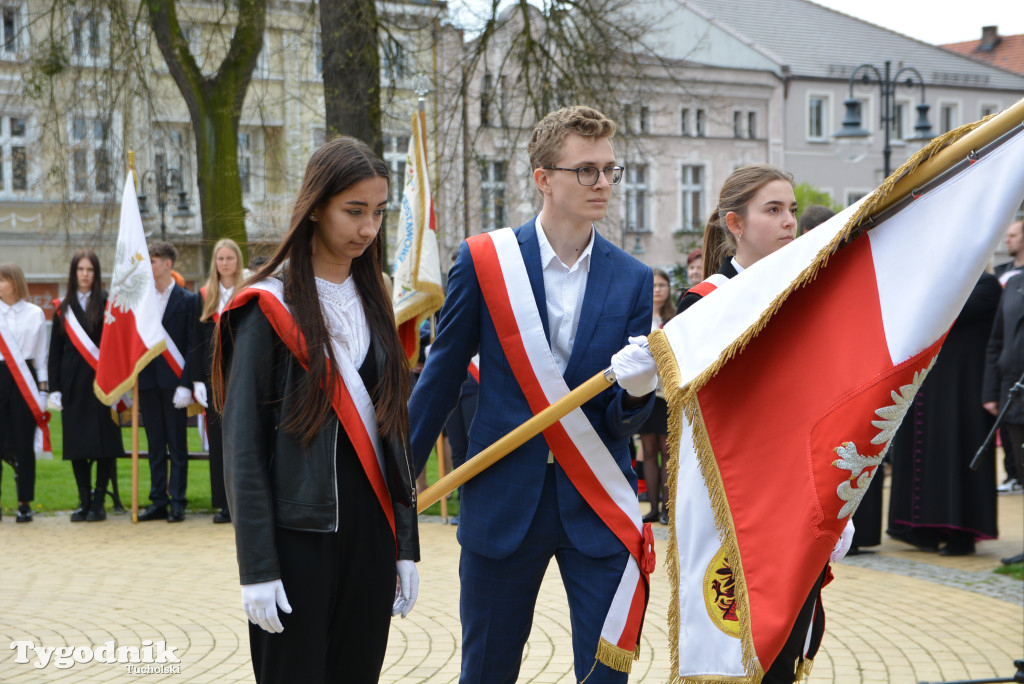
column 853, row 133
column 164, row 182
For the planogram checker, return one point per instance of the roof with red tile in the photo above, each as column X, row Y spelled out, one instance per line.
column 1007, row 54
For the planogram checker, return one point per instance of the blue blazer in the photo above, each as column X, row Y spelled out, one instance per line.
column 180, row 322
column 496, row 507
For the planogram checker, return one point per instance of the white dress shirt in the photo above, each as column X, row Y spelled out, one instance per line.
column 345, row 319
column 163, row 297
column 564, row 287
column 27, row 324
column 83, row 298
column 225, row 296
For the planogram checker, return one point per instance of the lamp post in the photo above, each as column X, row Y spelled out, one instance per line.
column 852, row 133
column 164, row 182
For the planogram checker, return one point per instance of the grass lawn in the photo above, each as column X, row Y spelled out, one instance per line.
column 1016, row 570
column 56, row 489
column 453, row 502
column 55, row 483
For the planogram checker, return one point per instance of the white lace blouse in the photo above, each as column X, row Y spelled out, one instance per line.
column 345, row 319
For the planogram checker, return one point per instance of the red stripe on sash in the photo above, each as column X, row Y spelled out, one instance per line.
column 287, row 329
column 492, row 285
column 42, row 418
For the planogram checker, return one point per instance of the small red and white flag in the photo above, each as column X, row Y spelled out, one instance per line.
column 132, row 332
column 417, row 292
column 786, row 385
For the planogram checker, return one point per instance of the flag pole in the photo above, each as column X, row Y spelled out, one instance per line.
column 135, row 392
column 945, row 157
column 515, row 439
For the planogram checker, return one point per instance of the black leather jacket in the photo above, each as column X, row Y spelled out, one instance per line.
column 271, row 479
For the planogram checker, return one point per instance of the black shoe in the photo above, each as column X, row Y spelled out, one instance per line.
column 909, row 537
column 176, row 515
column 153, row 512
column 80, row 513
column 24, row 513
column 222, row 516
column 115, row 503
column 651, row 517
column 664, row 518
column 96, row 511
column 1019, row 558
column 958, row 547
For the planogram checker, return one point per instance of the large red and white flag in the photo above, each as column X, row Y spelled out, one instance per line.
column 132, row 332
column 786, row 384
column 417, row 292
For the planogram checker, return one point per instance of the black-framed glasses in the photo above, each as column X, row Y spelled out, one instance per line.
column 588, row 175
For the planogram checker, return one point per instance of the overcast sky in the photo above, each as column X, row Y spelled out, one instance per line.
column 927, row 20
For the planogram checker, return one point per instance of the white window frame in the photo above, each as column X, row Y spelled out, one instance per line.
column 700, row 126
column 690, row 219
column 494, row 194
column 825, row 117
column 8, row 143
column 684, row 122
column 98, row 35
column 752, row 124
column 254, row 157
column 89, row 145
column 994, row 106
column 396, row 151
column 956, row 120
column 902, row 126
column 737, row 124
column 637, row 197
column 262, row 68
column 20, row 42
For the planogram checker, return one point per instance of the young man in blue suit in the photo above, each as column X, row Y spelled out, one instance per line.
column 547, row 306
column 163, row 396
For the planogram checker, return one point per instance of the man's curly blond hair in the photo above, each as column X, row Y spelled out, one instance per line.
column 546, row 142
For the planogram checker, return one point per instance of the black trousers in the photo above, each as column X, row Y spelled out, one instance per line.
column 165, row 431
column 214, row 434
column 783, row 670
column 17, row 434
column 341, row 586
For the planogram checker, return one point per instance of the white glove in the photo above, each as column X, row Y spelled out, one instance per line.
column 406, row 588
column 260, row 602
column 54, row 401
column 199, row 392
column 843, row 545
column 634, row 368
column 41, row 400
column 182, row 397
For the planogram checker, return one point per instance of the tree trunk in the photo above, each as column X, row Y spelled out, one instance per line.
column 215, row 107
column 351, row 70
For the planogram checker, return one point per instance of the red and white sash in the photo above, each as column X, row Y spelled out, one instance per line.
column 86, row 347
column 15, row 361
column 351, row 401
column 580, row 452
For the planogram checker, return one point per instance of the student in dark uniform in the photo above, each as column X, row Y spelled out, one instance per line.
column 90, row 433
column 225, row 275
column 316, row 457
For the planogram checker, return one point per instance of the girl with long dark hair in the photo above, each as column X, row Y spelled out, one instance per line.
column 313, row 384
column 91, row 435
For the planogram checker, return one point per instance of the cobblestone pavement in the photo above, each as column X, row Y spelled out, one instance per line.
column 898, row 615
